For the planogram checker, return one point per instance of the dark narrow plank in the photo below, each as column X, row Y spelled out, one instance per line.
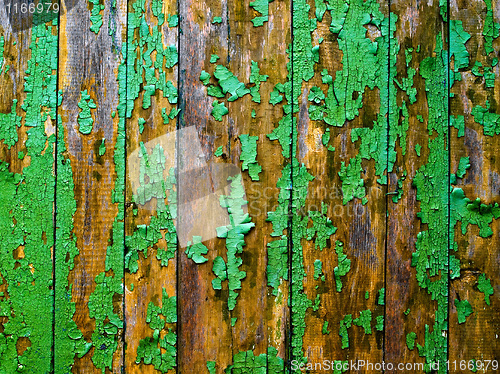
column 204, row 320
column 27, row 149
column 151, row 240
column 477, row 249
column 417, row 251
column 90, row 204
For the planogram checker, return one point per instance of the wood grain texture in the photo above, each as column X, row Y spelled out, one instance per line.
column 360, row 226
column 89, row 62
column 147, row 130
column 477, row 255
column 418, row 24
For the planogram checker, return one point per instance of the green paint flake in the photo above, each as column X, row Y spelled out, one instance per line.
column 367, row 295
column 379, row 323
column 211, row 367
column 213, row 59
column 381, row 297
column 234, row 233
column 229, row 83
column 325, row 138
column 161, row 352
column 256, row 78
column 407, row 311
column 233, row 321
column 476, row 69
column 352, row 184
column 276, row 97
column 468, row 212
column 215, row 91
column 219, row 110
column 204, row 77
column 490, row 121
column 343, row 267
column 254, row 114
column 458, row 38
column 345, row 324
column 491, row 29
column 318, row 269
column 484, row 286
column 95, row 15
column 322, row 227
column 399, row 189
column 218, row 152
column 420, row 118
column 489, row 77
column 220, row 270
column 464, row 309
column 364, row 320
column 262, row 7
column 173, row 20
column 196, row 250
column 249, row 156
column 410, row 340
column 324, row 330
column 248, row 363
column 102, row 147
column 463, row 165
column 141, row 123
column 458, row 122
column 85, row 121
column 8, row 126
column 217, row 20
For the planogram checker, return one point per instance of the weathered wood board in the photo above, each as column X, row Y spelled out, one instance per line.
column 249, row 186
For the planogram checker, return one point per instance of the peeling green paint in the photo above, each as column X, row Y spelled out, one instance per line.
column 410, row 340
column 345, row 324
column 161, row 352
column 379, row 325
column 262, row 7
column 489, row 120
column 324, row 329
column 95, row 15
column 491, row 29
column 343, row 267
column 248, row 363
column 464, row 309
column 234, row 233
column 381, row 297
column 8, row 125
column 318, row 270
column 85, row 121
column 196, row 250
column 364, row 320
column 211, row 367
column 218, row 152
column 219, row 110
column 256, row 78
column 217, row 20
column 322, row 227
column 249, row 156
column 484, row 286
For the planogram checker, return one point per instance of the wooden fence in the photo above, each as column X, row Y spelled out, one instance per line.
column 249, row 187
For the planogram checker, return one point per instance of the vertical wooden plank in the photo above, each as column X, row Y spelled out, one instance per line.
column 90, row 202
column 28, row 61
column 340, row 92
column 474, row 143
column 151, row 241
column 417, row 252
column 204, row 321
column 257, row 41
column 241, row 317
